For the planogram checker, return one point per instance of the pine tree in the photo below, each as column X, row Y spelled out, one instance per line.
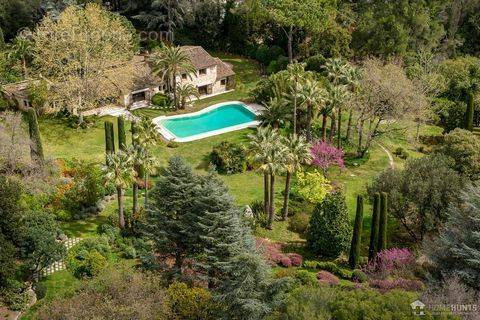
column 172, row 220
column 372, row 249
column 357, row 234
column 329, row 230
column 36, row 148
column 122, row 138
column 382, row 226
column 470, row 112
column 456, row 252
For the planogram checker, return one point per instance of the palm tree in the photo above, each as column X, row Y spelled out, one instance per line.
column 295, row 72
column 352, row 77
column 169, row 62
column 335, row 100
column 259, row 144
column 186, row 91
column 312, row 95
column 336, row 69
column 274, row 163
column 148, row 163
column 144, row 135
column 120, row 171
column 21, row 49
column 297, row 153
column 275, row 113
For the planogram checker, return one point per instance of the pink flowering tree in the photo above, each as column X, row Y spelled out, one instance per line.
column 326, row 155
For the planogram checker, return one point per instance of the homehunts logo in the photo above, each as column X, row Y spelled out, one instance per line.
column 419, row 308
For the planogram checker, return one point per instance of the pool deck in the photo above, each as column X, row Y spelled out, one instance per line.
column 252, row 107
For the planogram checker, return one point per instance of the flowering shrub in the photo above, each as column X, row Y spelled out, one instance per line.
column 325, row 155
column 390, row 261
column 399, row 283
column 272, row 252
column 295, row 259
column 327, row 278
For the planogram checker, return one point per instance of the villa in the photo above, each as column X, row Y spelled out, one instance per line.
column 212, row 77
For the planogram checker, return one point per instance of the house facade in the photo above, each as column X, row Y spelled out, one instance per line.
column 212, row 76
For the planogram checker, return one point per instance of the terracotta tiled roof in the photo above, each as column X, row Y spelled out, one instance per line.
column 199, row 57
column 223, row 69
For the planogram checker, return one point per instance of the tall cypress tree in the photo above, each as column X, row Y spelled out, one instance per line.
column 470, row 112
column 137, row 169
column 372, row 249
column 109, row 138
column 382, row 227
column 36, row 148
column 357, row 234
column 122, row 138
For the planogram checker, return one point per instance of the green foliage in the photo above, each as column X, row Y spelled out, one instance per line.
column 85, row 190
column 191, row 303
column 456, row 251
column 359, row 276
column 36, row 149
column 401, row 153
column 266, row 55
column 122, row 138
column 382, row 225
column 299, row 223
column 316, row 63
column 357, row 234
column 463, row 147
column 311, row 186
column 89, row 257
column 462, row 75
column 374, row 229
column 37, row 94
column 277, row 65
column 420, row 194
column 346, row 304
column 329, row 230
column 451, row 114
column 161, row 100
column 229, row 157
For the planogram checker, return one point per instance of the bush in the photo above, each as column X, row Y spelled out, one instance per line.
column 40, row 290
column 161, row 100
column 277, row 65
column 306, row 278
column 326, row 277
column 272, row 253
column 399, row 283
column 299, row 223
column 86, row 187
column 463, row 147
column 191, row 303
column 391, row 262
column 329, row 229
column 328, row 266
column 89, row 257
column 265, row 54
column 172, row 144
column 295, row 259
column 401, row 153
column 229, row 157
column 359, row 276
column 315, row 63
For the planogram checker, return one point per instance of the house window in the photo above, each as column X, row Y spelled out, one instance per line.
column 202, row 72
column 184, row 76
column 223, row 82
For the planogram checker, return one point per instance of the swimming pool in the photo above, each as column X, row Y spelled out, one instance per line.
column 213, row 120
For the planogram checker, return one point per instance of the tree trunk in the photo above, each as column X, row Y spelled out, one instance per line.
column 174, row 86
column 271, row 213
column 349, row 125
column 295, row 109
column 332, row 127
column 290, row 44
column 24, row 67
column 339, row 127
column 266, row 197
column 146, row 190
column 135, row 198
column 121, row 216
column 309, row 122
column 324, row 127
column 360, row 138
column 286, row 196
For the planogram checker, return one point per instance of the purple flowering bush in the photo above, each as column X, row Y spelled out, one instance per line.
column 272, row 252
column 325, row 155
column 391, row 262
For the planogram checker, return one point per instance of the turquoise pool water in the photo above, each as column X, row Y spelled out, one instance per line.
column 225, row 116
